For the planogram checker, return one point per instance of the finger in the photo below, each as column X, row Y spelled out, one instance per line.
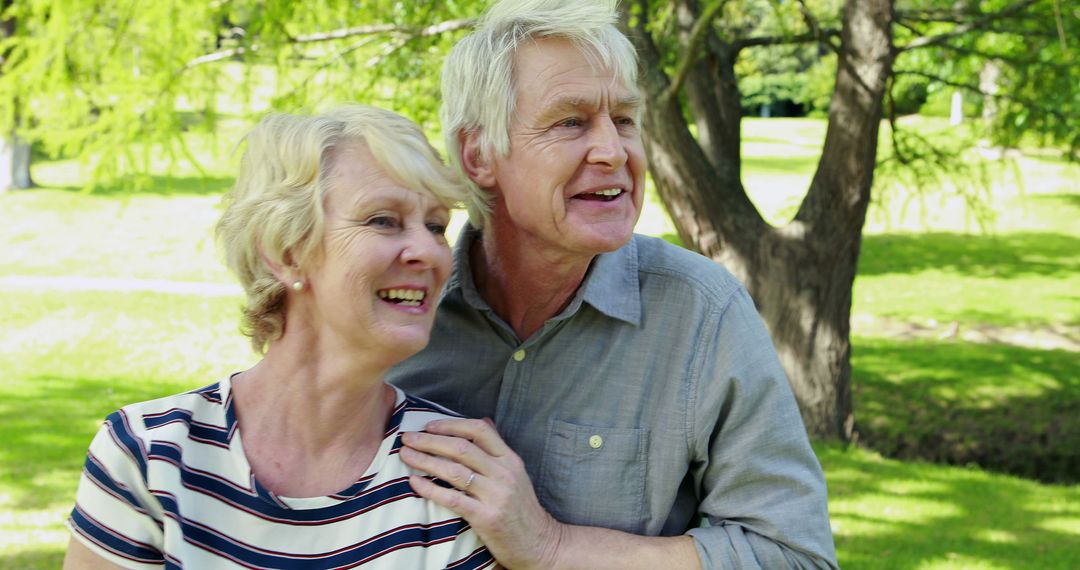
column 454, row 448
column 452, row 499
column 461, row 477
column 481, row 432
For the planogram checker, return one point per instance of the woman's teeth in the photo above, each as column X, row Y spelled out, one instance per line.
column 406, row 297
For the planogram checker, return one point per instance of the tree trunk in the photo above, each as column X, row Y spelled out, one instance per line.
column 799, row 275
column 14, row 153
column 14, row 164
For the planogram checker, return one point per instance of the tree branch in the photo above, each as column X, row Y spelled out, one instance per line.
column 432, row 30
column 409, row 32
column 1009, row 59
column 760, row 41
column 975, row 89
column 978, row 23
column 697, row 33
column 816, row 30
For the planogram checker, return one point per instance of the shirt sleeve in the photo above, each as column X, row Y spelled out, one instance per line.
column 115, row 516
column 763, row 492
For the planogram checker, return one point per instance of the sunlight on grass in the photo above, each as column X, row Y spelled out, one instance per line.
column 892, row 514
column 1002, row 407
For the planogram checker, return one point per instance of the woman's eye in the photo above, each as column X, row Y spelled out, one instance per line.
column 382, row 222
column 625, row 121
column 572, row 122
column 436, row 228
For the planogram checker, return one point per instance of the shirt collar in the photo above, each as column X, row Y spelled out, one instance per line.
column 611, row 285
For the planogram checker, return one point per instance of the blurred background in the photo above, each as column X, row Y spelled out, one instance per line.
column 903, row 174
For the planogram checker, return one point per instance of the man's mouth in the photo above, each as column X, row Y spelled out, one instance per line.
column 606, row 195
column 403, row 297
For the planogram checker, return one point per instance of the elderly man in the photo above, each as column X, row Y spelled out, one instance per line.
column 631, row 383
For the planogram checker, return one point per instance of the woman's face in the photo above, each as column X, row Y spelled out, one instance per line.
column 384, row 260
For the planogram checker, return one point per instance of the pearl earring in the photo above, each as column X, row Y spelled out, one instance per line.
column 298, row 285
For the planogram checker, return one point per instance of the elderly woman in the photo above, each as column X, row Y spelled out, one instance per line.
column 336, row 231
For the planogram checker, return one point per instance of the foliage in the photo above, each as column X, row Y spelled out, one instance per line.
column 96, row 75
column 1018, row 60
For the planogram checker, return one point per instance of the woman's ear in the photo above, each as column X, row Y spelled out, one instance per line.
column 476, row 166
column 286, row 272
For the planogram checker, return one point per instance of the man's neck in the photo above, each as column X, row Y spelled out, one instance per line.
column 522, row 286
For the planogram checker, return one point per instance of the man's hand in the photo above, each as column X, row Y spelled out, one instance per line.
column 492, row 490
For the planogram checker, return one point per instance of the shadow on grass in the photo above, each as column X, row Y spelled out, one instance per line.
column 802, row 165
column 25, row 559
column 1006, row 256
column 890, row 514
column 159, row 185
column 1069, row 200
column 47, row 430
column 1004, row 408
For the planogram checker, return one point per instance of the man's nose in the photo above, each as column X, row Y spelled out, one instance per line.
column 606, row 144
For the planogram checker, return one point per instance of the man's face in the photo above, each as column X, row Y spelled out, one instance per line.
column 574, row 180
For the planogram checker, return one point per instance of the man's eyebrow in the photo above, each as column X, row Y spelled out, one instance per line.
column 631, row 100
column 570, row 103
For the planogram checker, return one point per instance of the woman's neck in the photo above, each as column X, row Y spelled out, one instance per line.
column 310, row 423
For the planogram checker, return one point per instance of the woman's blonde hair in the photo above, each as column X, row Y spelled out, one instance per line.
column 478, row 92
column 275, row 210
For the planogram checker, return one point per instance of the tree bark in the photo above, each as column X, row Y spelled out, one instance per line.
column 800, row 275
column 14, row 164
column 14, row 153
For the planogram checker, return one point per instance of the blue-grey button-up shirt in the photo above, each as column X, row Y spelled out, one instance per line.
column 653, row 404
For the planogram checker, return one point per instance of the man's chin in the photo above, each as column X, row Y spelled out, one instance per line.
column 605, row 241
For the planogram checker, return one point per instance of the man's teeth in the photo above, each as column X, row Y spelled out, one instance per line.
column 406, row 297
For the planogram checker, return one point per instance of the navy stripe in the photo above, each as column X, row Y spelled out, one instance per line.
column 395, row 419
column 113, row 541
column 173, row 563
column 355, row 489
column 199, row 431
column 479, row 558
column 211, row 393
column 121, row 433
column 97, row 473
column 408, row 536
column 267, row 507
column 417, row 404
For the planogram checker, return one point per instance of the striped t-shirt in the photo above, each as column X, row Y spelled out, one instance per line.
column 166, row 483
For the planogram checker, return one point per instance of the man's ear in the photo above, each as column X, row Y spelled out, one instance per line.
column 478, row 168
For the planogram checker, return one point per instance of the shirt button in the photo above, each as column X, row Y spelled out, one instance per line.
column 596, row 442
column 519, row 355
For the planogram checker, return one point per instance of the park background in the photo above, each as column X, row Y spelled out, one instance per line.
column 965, row 310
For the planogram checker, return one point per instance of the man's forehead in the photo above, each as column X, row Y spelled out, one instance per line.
column 614, row 96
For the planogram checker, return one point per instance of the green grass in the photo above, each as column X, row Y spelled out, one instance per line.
column 971, row 279
column 88, row 328
column 1007, row 408
column 889, row 514
column 69, row 359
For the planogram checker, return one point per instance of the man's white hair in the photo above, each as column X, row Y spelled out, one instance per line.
column 478, row 77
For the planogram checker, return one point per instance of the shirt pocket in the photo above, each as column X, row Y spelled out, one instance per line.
column 595, row 476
